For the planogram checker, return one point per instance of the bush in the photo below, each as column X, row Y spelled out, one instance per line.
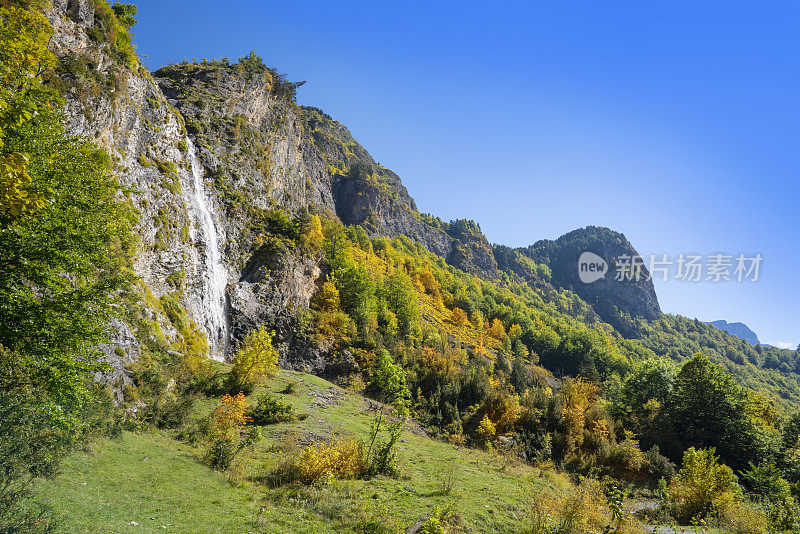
column 485, row 433
column 220, row 454
column 586, row 508
column 701, row 485
column 339, row 458
column 389, row 382
column 225, row 427
column 30, row 448
column 743, row 518
column 255, row 360
column 172, row 412
column 658, row 466
column 765, row 484
column 270, row 410
column 291, row 388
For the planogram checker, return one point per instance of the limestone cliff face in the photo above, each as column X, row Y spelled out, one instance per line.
column 120, row 107
column 218, row 145
column 617, row 302
column 208, row 150
column 368, row 194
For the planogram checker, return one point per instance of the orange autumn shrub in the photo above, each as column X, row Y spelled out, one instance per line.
column 228, row 417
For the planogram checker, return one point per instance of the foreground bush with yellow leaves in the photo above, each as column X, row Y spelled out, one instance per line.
column 589, row 507
column 338, row 458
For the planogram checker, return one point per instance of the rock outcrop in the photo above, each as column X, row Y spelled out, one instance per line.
column 253, row 150
column 739, row 330
column 618, row 302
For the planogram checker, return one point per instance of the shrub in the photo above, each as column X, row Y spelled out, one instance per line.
column 170, row 412
column 586, row 508
column 701, row 485
column 270, row 410
column 30, row 448
column 255, row 360
column 658, row 466
column 381, row 457
column 220, row 454
column 225, row 432
column 485, row 433
column 338, row 458
column 626, row 461
column 229, row 416
column 741, row 517
column 767, row 486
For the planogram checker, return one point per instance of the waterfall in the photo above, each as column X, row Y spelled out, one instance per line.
column 213, row 274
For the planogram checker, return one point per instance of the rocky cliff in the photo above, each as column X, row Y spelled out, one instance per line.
column 209, row 150
column 206, row 151
column 619, row 302
column 739, row 330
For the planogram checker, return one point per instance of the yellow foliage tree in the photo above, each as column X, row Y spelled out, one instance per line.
column 504, row 410
column 459, row 317
column 255, row 360
column 577, row 397
column 312, row 238
column 496, row 329
column 486, row 432
column 229, row 416
column 702, row 484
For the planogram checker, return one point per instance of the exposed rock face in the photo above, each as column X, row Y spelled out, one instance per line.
column 368, row 194
column 617, row 302
column 739, row 330
column 256, row 152
column 122, row 109
column 259, row 151
column 275, row 290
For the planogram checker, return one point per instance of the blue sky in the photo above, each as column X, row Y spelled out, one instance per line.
column 676, row 123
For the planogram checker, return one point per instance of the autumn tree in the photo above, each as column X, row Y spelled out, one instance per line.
column 702, row 483
column 226, row 434
column 459, row 317
column 255, row 360
column 309, row 231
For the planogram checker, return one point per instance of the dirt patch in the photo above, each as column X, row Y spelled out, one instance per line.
column 325, row 398
column 293, row 438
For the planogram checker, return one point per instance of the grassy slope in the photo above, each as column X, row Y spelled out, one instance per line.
column 151, row 475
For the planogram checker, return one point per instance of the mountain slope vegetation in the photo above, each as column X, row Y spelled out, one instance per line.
column 449, row 355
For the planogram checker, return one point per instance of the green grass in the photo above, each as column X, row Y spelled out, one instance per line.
column 147, row 479
column 156, row 480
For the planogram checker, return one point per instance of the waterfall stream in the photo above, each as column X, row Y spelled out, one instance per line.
column 213, row 273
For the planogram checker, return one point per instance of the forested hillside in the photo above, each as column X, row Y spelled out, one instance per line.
column 151, row 224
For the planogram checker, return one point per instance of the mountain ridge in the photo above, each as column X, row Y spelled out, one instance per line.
column 262, row 152
column 738, row 329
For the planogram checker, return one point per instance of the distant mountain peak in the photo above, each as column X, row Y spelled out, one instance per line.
column 618, row 302
column 739, row 330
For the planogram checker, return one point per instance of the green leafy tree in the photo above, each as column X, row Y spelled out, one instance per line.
column 708, row 408
column 65, row 248
column 399, row 294
column 356, row 293
column 389, row 382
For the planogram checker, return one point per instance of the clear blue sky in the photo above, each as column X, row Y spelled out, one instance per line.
column 677, row 123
